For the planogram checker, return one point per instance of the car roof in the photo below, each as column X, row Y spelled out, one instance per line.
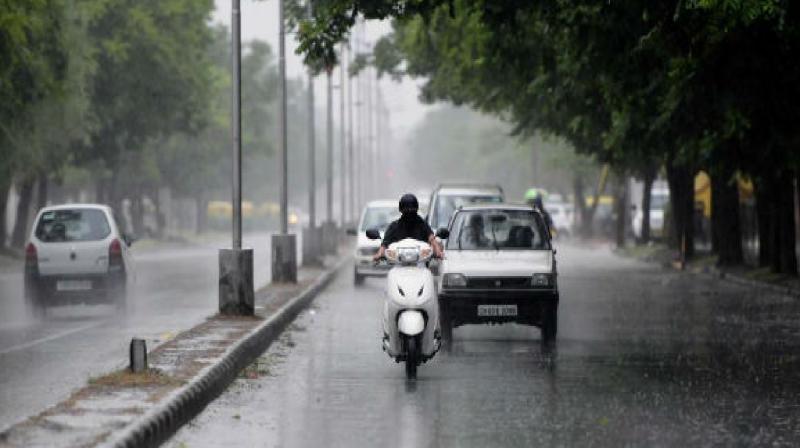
column 382, row 203
column 75, row 205
column 496, row 206
column 467, row 190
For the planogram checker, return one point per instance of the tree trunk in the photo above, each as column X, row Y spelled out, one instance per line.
column 681, row 187
column 23, row 209
column 137, row 214
column 649, row 178
column 580, row 202
column 786, row 235
column 42, row 192
column 5, row 186
column 621, row 204
column 725, row 224
column 764, row 221
column 202, row 223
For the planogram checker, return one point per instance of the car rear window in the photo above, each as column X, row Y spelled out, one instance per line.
column 498, row 230
column 80, row 224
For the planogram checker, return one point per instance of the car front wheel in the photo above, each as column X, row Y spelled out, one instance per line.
column 35, row 299
column 446, row 323
column 549, row 321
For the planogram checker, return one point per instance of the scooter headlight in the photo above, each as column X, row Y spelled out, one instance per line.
column 408, row 255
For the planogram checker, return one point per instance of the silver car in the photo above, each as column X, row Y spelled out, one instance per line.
column 76, row 253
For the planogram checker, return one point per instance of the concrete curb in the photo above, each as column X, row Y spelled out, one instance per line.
column 739, row 280
column 178, row 408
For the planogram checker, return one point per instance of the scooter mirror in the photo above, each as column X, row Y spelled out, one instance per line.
column 373, row 234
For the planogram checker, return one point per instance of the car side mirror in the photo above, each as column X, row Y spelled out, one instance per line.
column 443, row 233
column 373, row 234
column 352, row 232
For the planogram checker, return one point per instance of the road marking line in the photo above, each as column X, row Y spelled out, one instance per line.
column 48, row 338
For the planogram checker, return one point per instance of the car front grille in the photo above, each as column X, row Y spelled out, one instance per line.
column 499, row 282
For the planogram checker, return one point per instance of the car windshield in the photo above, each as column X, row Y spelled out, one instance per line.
column 497, row 229
column 447, row 204
column 72, row 225
column 379, row 217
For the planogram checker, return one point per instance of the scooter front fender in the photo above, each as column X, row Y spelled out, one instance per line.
column 410, row 322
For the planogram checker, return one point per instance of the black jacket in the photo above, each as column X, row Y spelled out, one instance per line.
column 408, row 226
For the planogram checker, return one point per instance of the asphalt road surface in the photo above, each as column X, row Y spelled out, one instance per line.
column 645, row 357
column 42, row 361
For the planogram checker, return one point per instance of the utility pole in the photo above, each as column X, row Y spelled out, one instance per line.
column 329, row 238
column 284, row 256
column 342, row 139
column 329, row 158
column 351, row 167
column 370, row 158
column 312, row 236
column 236, row 294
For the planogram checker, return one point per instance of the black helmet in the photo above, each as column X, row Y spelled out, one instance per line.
column 408, row 204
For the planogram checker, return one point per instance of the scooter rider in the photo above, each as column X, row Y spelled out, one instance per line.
column 410, row 225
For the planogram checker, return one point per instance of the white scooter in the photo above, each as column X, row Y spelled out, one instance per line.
column 411, row 310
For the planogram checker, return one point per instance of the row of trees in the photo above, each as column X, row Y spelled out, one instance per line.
column 639, row 85
column 124, row 97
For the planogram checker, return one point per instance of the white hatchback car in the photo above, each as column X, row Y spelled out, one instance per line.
column 499, row 266
column 76, row 253
column 376, row 215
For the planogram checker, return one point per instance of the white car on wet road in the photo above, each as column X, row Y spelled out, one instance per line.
column 376, row 215
column 76, row 253
column 499, row 266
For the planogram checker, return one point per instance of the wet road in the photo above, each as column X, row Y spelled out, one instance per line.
column 41, row 362
column 645, row 358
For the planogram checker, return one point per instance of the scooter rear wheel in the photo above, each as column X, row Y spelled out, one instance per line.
column 412, row 358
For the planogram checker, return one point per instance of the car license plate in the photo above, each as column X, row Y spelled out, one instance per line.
column 497, row 310
column 74, row 285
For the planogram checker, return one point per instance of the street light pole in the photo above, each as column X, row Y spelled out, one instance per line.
column 329, row 163
column 312, row 235
column 312, row 171
column 236, row 294
column 284, row 256
column 236, row 123
column 351, row 167
column 342, row 139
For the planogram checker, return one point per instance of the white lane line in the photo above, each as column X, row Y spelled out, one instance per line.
column 52, row 337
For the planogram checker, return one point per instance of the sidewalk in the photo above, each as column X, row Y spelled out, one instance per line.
column 185, row 373
column 706, row 264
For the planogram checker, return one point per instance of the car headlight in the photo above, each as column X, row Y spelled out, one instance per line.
column 454, row 281
column 541, row 280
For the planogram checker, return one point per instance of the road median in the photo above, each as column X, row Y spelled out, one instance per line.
column 186, row 373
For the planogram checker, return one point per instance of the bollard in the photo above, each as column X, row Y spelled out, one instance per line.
column 138, row 355
column 284, row 258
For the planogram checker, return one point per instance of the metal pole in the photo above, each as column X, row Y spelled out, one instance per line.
column 312, row 152
column 370, row 157
column 351, row 167
column 284, row 159
column 359, row 129
column 329, row 164
column 342, row 152
column 236, row 124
